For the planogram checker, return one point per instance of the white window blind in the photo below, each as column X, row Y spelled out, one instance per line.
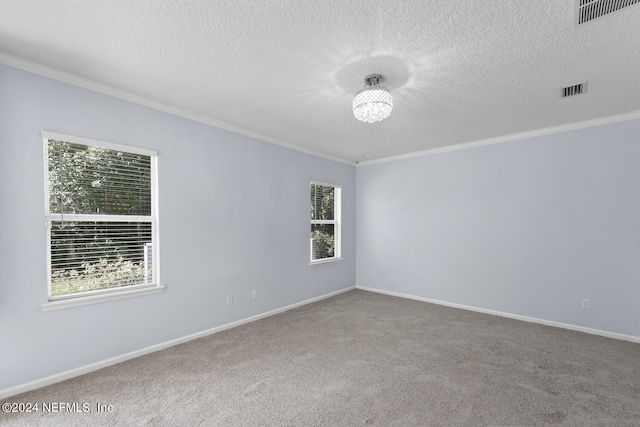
column 325, row 235
column 101, row 216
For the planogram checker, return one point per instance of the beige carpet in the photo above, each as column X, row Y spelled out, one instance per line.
column 361, row 359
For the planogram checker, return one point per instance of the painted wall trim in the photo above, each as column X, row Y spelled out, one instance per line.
column 52, row 73
column 61, row 304
column 63, row 376
column 513, row 137
column 43, row 70
column 569, row 326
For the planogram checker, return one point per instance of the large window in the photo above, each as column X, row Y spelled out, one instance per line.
column 101, row 216
column 325, row 222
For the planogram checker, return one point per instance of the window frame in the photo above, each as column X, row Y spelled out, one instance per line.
column 102, row 295
column 337, row 224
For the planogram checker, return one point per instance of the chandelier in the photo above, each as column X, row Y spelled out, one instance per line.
column 373, row 103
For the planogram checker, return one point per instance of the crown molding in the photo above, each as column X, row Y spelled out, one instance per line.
column 513, row 137
column 55, row 74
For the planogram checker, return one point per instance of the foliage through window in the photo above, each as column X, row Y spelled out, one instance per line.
column 325, row 221
column 101, row 216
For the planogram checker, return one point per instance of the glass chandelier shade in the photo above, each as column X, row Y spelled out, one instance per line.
column 373, row 103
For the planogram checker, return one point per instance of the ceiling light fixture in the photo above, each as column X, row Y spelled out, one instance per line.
column 373, row 103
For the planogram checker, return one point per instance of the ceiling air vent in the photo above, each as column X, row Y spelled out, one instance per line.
column 588, row 10
column 574, row 90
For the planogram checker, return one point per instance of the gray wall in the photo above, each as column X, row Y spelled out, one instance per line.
column 527, row 227
column 234, row 216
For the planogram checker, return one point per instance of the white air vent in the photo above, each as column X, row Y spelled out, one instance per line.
column 574, row 90
column 588, row 10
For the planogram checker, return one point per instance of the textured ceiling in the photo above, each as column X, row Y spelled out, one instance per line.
column 286, row 71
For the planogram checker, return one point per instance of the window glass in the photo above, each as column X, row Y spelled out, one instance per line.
column 325, row 221
column 101, row 218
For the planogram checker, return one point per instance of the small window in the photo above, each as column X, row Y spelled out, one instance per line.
column 325, row 222
column 101, row 216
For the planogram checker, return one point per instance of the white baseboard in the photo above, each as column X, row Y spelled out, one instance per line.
column 592, row 331
column 32, row 385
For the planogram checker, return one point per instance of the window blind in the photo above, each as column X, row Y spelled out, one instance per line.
column 325, row 221
column 101, row 218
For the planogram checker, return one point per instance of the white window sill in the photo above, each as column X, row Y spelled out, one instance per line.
column 324, row 261
column 95, row 299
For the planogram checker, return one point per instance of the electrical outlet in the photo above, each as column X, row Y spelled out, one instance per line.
column 374, row 273
column 586, row 303
column 254, row 293
column 229, row 299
